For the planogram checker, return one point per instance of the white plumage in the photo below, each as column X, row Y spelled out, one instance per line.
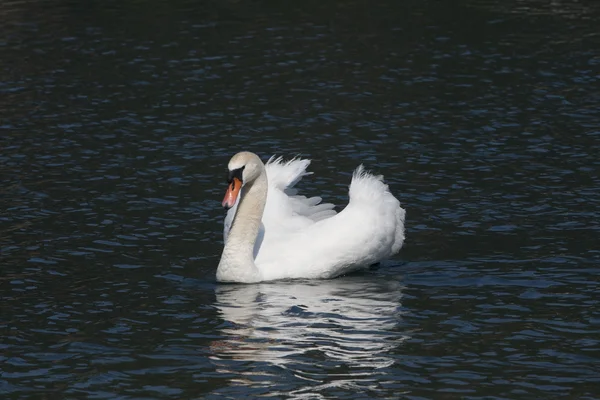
column 300, row 237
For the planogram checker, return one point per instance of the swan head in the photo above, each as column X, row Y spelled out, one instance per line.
column 244, row 167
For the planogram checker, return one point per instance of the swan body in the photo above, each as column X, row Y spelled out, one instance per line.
column 272, row 233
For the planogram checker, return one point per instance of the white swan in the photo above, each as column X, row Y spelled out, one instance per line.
column 271, row 233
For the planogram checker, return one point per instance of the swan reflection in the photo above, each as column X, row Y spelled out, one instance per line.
column 351, row 321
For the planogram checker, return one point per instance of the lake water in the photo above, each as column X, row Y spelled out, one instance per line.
column 117, row 120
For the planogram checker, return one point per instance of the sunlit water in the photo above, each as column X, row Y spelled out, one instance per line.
column 116, row 123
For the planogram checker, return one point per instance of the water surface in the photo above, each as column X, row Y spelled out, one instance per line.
column 116, row 124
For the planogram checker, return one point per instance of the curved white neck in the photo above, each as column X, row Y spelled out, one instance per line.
column 237, row 259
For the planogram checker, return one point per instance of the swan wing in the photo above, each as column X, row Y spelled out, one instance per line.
column 286, row 210
column 369, row 229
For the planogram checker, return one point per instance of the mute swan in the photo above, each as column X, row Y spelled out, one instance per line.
column 272, row 233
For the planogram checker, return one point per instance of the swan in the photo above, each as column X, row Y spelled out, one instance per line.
column 272, row 233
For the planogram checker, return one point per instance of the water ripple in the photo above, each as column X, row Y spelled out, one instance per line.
column 115, row 136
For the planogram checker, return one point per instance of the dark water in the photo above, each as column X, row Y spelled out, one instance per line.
column 116, row 123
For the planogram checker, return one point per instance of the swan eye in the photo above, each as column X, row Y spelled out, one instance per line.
column 236, row 173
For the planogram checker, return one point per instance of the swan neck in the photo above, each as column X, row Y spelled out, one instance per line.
column 237, row 260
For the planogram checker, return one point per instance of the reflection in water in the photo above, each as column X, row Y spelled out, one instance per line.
column 349, row 321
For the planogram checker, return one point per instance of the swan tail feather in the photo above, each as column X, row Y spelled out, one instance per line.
column 367, row 187
column 399, row 237
column 370, row 189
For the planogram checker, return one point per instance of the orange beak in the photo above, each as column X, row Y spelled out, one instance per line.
column 232, row 193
